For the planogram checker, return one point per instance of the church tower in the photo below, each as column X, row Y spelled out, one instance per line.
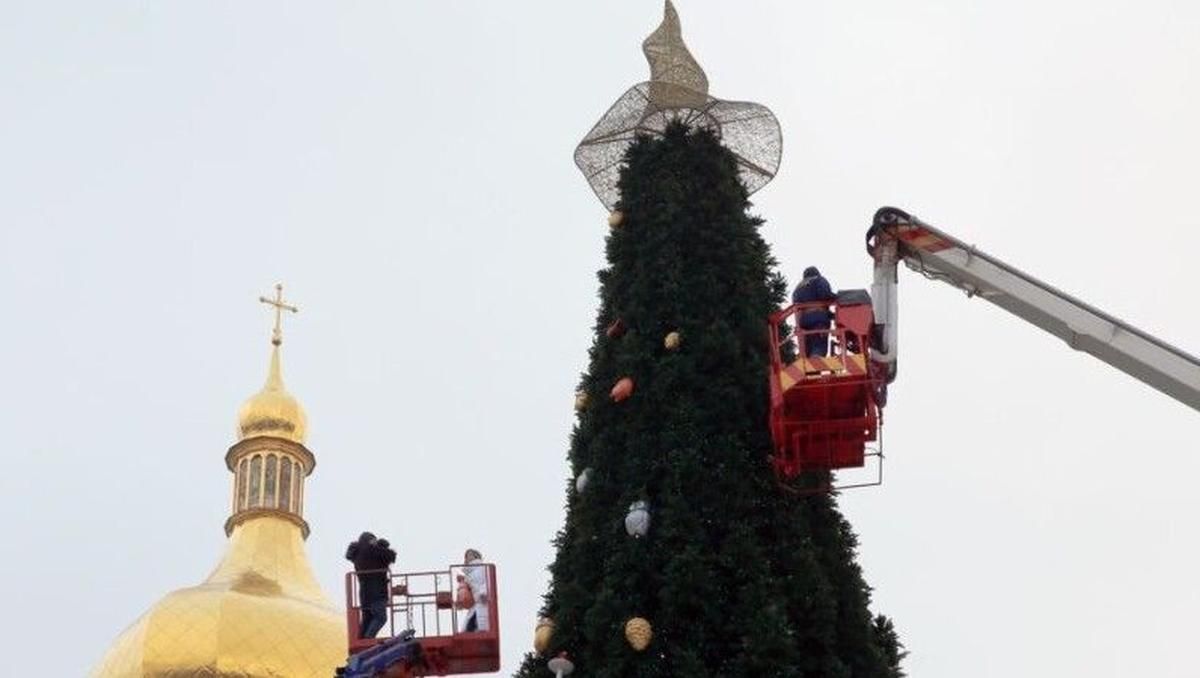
column 261, row 613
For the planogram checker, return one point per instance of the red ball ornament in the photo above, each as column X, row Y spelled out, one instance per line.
column 623, row 389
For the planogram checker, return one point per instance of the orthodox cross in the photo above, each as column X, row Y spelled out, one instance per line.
column 280, row 307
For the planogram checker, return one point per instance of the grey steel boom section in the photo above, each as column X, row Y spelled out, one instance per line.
column 896, row 235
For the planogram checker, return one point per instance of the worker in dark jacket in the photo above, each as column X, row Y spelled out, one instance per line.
column 371, row 558
column 814, row 287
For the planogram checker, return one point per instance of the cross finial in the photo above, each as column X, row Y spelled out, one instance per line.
column 280, row 307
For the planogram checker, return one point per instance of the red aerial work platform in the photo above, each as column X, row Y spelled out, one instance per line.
column 825, row 410
column 423, row 602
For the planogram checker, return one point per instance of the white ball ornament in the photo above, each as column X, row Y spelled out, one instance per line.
column 637, row 520
column 561, row 665
column 582, row 480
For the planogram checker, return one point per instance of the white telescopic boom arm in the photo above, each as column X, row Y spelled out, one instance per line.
column 897, row 236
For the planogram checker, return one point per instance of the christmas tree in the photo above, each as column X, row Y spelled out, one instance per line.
column 680, row 555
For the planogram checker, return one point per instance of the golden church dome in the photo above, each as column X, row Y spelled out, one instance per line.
column 273, row 411
column 260, row 614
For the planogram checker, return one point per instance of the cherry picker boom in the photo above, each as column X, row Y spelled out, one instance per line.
column 896, row 235
column 826, row 411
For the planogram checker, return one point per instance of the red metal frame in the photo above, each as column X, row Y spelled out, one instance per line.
column 424, row 602
column 825, row 412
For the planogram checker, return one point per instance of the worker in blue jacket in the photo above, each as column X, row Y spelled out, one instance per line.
column 814, row 287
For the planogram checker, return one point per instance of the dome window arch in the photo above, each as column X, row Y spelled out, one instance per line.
column 269, row 478
column 255, row 481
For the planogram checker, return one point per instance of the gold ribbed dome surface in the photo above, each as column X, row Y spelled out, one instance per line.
column 260, row 614
column 273, row 411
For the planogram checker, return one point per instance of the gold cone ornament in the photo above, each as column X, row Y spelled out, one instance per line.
column 672, row 341
column 542, row 634
column 677, row 92
column 638, row 633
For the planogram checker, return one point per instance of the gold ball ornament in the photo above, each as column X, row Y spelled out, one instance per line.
column 672, row 341
column 638, row 633
column 581, row 400
column 542, row 634
column 615, row 218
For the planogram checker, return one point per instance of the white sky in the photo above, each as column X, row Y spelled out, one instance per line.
column 406, row 170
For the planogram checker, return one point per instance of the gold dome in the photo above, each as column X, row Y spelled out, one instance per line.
column 273, row 411
column 260, row 614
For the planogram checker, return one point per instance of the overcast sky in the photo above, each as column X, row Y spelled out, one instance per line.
column 405, row 169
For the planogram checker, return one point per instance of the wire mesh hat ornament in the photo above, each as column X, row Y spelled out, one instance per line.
column 677, row 91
